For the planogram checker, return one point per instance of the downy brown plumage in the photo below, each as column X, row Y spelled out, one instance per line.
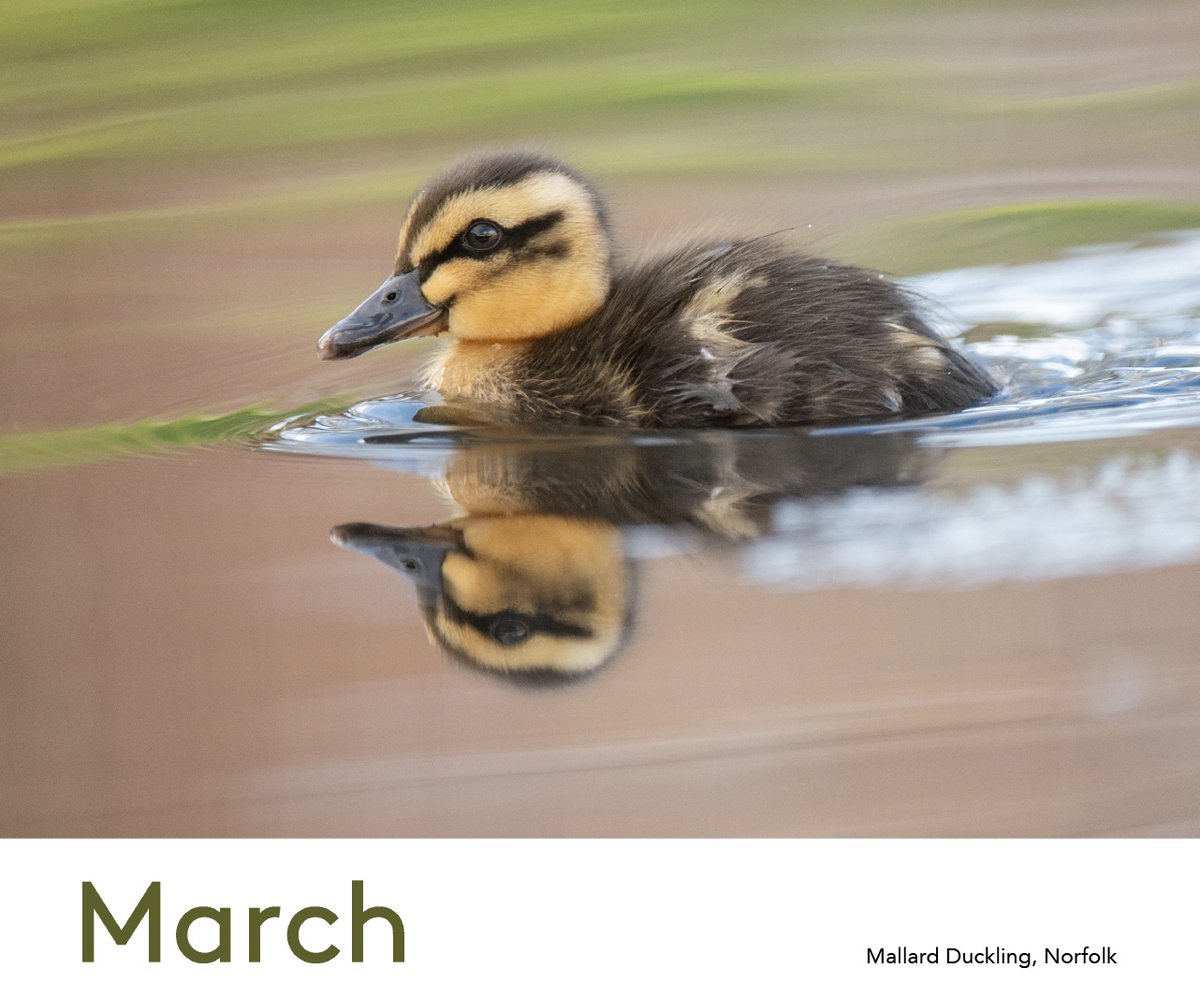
column 510, row 258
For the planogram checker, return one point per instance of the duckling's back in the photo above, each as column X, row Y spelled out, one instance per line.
column 744, row 334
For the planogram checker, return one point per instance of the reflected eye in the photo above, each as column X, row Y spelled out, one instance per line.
column 508, row 630
column 482, row 236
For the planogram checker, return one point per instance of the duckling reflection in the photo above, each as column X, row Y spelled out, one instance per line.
column 536, row 599
column 537, row 582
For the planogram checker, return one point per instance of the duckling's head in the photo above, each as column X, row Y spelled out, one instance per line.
column 533, row 599
column 502, row 247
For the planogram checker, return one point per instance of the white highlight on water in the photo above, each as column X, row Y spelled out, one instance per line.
column 1127, row 514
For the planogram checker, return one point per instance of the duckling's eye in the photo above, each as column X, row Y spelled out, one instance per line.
column 508, row 630
column 482, row 236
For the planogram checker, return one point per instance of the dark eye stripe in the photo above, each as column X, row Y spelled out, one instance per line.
column 520, row 235
column 539, row 623
column 515, row 239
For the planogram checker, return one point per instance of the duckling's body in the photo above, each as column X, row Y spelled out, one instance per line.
column 735, row 334
column 510, row 256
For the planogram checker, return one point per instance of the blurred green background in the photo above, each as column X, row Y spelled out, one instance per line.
column 192, row 191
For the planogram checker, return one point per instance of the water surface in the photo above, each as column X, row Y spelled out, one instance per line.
column 979, row 623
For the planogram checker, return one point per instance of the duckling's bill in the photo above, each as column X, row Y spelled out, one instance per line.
column 417, row 552
column 396, row 310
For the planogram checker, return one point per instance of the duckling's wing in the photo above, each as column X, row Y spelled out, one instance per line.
column 795, row 339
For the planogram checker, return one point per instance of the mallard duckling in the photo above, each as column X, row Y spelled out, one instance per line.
column 510, row 256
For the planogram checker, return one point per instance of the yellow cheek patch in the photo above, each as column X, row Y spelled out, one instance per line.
column 548, row 549
column 548, row 554
column 453, row 278
column 530, row 299
column 475, row 585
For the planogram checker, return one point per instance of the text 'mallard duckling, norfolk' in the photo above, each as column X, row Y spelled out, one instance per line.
column 509, row 256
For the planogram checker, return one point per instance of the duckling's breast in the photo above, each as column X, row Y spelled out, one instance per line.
column 487, row 373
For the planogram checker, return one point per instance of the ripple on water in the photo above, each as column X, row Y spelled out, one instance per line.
column 1104, row 342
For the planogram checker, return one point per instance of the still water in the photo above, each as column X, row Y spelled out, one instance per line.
column 976, row 624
